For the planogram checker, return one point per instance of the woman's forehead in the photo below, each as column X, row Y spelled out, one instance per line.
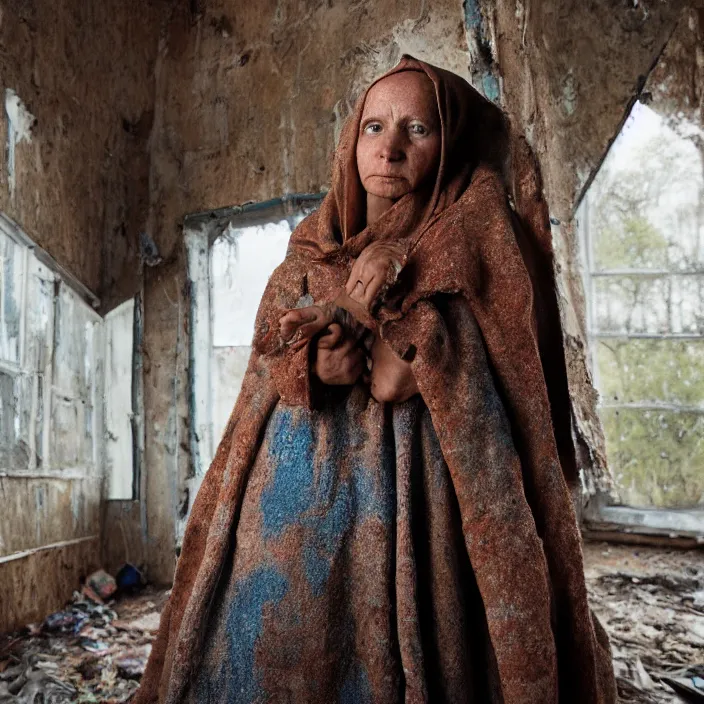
column 404, row 92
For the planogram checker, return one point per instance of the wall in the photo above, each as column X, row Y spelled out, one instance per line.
column 84, row 75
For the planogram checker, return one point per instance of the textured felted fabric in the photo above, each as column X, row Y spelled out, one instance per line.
column 342, row 550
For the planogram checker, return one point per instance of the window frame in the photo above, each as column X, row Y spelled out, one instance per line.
column 200, row 231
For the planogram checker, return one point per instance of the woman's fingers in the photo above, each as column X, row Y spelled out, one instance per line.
column 371, row 271
column 356, row 277
column 375, row 285
column 293, row 319
column 331, row 337
column 300, row 325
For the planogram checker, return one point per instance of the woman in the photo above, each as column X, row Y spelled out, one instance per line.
column 412, row 542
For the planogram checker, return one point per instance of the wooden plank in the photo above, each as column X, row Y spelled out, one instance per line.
column 42, row 582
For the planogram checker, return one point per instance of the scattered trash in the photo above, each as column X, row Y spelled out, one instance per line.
column 103, row 584
column 649, row 602
column 131, row 665
column 692, row 688
column 89, row 651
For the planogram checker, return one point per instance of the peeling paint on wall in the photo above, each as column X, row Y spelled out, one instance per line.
column 481, row 50
column 19, row 129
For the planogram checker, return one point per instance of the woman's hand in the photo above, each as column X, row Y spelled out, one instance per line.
column 375, row 269
column 300, row 325
column 339, row 361
column 392, row 378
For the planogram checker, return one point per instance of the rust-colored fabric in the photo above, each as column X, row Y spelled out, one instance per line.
column 475, row 310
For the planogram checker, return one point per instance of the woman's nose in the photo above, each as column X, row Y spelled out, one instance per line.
column 392, row 146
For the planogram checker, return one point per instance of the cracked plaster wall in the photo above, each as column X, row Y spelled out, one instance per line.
column 84, row 70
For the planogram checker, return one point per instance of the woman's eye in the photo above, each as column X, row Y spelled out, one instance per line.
column 417, row 128
column 373, row 128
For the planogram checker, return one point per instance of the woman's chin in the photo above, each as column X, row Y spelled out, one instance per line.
column 388, row 188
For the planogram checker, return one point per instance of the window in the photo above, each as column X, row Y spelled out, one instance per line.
column 642, row 224
column 50, row 367
column 66, row 375
column 231, row 255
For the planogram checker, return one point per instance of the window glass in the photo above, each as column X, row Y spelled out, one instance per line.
column 643, row 224
column 241, row 262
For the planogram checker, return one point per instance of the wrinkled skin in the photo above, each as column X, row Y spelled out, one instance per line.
column 398, row 150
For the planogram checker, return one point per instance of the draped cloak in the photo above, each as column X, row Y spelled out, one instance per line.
column 343, row 550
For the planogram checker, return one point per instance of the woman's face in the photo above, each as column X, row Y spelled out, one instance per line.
column 398, row 148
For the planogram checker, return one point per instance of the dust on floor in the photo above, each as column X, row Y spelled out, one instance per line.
column 651, row 602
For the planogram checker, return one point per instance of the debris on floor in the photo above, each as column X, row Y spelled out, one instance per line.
column 651, row 603
column 650, row 600
column 90, row 651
